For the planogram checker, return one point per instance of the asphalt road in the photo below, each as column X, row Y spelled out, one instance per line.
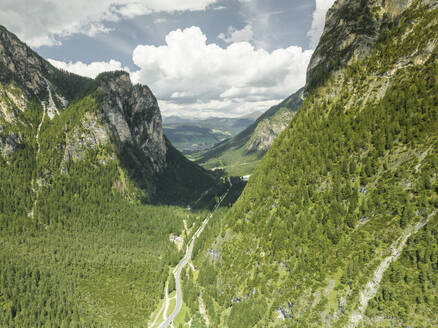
column 185, row 260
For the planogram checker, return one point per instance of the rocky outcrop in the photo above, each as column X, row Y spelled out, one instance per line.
column 128, row 115
column 351, row 31
column 9, row 143
column 36, row 78
column 267, row 130
column 19, row 63
column 133, row 116
column 110, row 121
column 89, row 135
column 271, row 125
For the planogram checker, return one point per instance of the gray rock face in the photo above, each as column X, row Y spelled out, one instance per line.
column 133, row 117
column 24, row 64
column 267, row 130
column 90, row 135
column 269, row 127
column 350, row 32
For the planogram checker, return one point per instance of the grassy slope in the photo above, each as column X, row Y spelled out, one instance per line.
column 346, row 178
column 232, row 155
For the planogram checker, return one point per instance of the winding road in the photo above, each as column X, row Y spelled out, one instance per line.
column 185, row 260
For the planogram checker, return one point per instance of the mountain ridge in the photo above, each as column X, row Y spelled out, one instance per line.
column 340, row 189
column 113, row 110
column 240, row 154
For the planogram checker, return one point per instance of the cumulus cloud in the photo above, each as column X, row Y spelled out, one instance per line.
column 244, row 35
column 318, row 21
column 188, row 74
column 89, row 70
column 46, row 21
column 216, row 108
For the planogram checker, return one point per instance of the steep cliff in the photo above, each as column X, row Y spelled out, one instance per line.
column 337, row 226
column 83, row 166
column 351, row 31
column 63, row 122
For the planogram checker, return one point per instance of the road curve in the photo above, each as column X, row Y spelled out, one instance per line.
column 185, row 260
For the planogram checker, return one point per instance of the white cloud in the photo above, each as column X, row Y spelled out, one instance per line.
column 318, row 22
column 189, row 74
column 89, row 70
column 244, row 35
column 44, row 22
column 217, row 108
column 160, row 20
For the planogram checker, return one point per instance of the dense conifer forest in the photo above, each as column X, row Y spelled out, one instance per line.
column 337, row 227
column 353, row 173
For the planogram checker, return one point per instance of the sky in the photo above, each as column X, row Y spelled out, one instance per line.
column 200, row 58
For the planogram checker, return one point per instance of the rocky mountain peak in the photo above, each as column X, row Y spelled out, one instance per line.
column 22, row 65
column 133, row 116
column 351, row 31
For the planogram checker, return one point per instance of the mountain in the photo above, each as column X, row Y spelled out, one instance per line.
column 81, row 162
column 338, row 225
column 192, row 135
column 239, row 155
column 109, row 121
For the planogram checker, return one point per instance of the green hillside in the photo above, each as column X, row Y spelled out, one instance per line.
column 337, row 226
column 239, row 155
column 81, row 243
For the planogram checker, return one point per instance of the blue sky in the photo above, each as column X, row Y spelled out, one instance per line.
column 200, row 57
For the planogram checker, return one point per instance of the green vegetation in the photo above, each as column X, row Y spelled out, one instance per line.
column 194, row 135
column 79, row 246
column 108, row 271
column 345, row 180
column 410, row 288
column 353, row 173
column 190, row 138
column 81, row 250
column 182, row 182
column 89, row 255
column 240, row 155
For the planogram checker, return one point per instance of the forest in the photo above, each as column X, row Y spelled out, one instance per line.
column 78, row 246
column 350, row 175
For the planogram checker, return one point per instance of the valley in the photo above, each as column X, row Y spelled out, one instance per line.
column 320, row 212
column 176, row 272
column 239, row 155
column 191, row 136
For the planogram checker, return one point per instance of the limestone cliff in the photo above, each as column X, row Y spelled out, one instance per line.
column 64, row 121
column 273, row 122
column 133, row 116
column 351, row 30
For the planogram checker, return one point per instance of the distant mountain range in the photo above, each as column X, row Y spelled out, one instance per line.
column 239, row 155
column 191, row 135
column 337, row 226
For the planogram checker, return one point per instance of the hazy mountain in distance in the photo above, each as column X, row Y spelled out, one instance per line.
column 191, row 135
